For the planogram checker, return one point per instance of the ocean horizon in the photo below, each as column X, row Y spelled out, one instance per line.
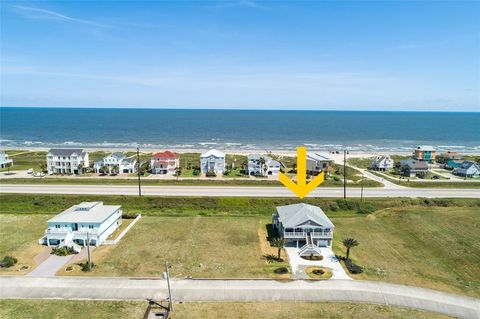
column 148, row 128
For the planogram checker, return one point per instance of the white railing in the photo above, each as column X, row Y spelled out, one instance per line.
column 57, row 230
column 303, row 234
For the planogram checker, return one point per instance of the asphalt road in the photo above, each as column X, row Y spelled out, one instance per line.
column 239, row 290
column 249, row 191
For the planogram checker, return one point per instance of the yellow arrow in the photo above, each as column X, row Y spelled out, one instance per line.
column 301, row 188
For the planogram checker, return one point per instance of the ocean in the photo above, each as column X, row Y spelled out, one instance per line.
column 236, row 129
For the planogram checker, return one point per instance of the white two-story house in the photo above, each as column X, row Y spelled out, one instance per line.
column 303, row 226
column 4, row 160
column 165, row 163
column 116, row 162
column 261, row 165
column 212, row 161
column 382, row 163
column 67, row 161
column 87, row 219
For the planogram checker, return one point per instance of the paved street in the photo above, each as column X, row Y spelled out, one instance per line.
column 235, row 191
column 240, row 290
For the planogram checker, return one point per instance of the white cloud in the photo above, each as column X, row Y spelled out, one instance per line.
column 39, row 13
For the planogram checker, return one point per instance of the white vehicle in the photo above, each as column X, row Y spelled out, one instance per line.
column 30, row 171
column 39, row 174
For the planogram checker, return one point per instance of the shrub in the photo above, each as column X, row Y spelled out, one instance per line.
column 336, row 178
column 210, row 174
column 196, row 172
column 69, row 268
column 281, row 270
column 63, row 251
column 366, row 209
column 8, row 261
column 84, row 266
column 352, row 267
column 318, row 271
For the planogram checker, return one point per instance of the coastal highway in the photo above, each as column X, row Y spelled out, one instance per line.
column 248, row 191
column 239, row 290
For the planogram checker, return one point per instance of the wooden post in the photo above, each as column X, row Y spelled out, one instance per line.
column 170, row 301
column 88, row 251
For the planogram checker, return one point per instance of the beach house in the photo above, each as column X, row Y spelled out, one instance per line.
column 92, row 220
column 318, row 162
column 164, row 163
column 5, row 161
column 412, row 168
column 261, row 165
column 67, row 161
column 116, row 163
column 467, row 169
column 449, row 156
column 424, row 153
column 381, row 163
column 303, row 226
column 212, row 161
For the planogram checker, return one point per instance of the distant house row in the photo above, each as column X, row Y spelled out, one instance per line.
column 76, row 161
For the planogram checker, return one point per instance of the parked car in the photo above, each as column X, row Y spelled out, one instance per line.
column 30, row 171
column 39, row 174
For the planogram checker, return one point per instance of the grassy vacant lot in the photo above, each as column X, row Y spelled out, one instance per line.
column 194, row 246
column 23, row 160
column 59, row 309
column 428, row 247
column 23, row 309
column 428, row 184
column 19, row 234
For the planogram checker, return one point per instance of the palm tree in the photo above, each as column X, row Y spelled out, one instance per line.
column 115, row 169
column 350, row 243
column 279, row 243
column 262, row 166
column 80, row 168
column 42, row 167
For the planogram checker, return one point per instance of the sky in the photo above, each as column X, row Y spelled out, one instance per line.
column 335, row 55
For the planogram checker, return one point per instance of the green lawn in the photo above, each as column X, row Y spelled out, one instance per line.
column 23, row 160
column 59, row 309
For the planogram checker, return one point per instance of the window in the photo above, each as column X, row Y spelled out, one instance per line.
column 57, row 226
column 90, row 226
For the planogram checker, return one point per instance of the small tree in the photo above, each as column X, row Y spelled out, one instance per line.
column 104, row 168
column 262, row 165
column 42, row 167
column 80, row 168
column 349, row 243
column 115, row 169
column 279, row 243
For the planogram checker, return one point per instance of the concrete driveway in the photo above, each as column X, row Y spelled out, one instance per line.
column 298, row 264
column 50, row 266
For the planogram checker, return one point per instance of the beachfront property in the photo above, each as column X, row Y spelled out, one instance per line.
column 382, row 163
column 71, row 227
column 318, row 162
column 116, row 163
column 452, row 164
column 261, row 165
column 412, row 168
column 212, row 161
column 165, row 163
column 303, row 226
column 445, row 157
column 467, row 169
column 67, row 161
column 424, row 153
column 5, row 161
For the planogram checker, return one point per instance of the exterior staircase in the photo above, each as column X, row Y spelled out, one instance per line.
column 309, row 248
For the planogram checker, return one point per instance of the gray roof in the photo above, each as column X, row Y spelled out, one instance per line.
column 85, row 212
column 414, row 164
column 293, row 215
column 129, row 160
column 319, row 156
column 117, row 155
column 65, row 151
column 268, row 159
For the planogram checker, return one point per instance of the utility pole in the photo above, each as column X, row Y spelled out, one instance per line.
column 88, row 251
column 361, row 191
column 345, row 174
column 167, row 276
column 138, row 173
